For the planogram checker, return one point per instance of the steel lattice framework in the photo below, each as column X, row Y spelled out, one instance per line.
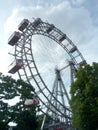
column 29, row 70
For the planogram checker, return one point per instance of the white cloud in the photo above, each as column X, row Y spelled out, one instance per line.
column 11, row 22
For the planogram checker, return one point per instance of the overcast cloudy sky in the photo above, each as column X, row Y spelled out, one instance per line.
column 77, row 18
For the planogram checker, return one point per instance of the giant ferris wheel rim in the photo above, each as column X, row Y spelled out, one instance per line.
column 23, row 49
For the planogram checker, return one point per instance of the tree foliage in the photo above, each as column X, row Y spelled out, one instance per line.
column 24, row 116
column 84, row 98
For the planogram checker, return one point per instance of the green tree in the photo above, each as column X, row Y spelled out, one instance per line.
column 3, row 116
column 40, row 120
column 24, row 116
column 84, row 98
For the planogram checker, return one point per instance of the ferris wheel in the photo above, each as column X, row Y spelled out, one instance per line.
column 45, row 57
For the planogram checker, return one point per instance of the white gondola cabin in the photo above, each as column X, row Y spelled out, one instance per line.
column 15, row 66
column 14, row 38
column 23, row 24
column 34, row 101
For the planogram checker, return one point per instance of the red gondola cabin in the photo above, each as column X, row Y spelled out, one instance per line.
column 23, row 24
column 50, row 28
column 62, row 37
column 15, row 66
column 14, row 38
column 36, row 22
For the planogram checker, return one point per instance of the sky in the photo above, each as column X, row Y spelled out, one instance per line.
column 77, row 18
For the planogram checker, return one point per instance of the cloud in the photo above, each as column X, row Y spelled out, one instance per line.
column 78, row 2
column 11, row 22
